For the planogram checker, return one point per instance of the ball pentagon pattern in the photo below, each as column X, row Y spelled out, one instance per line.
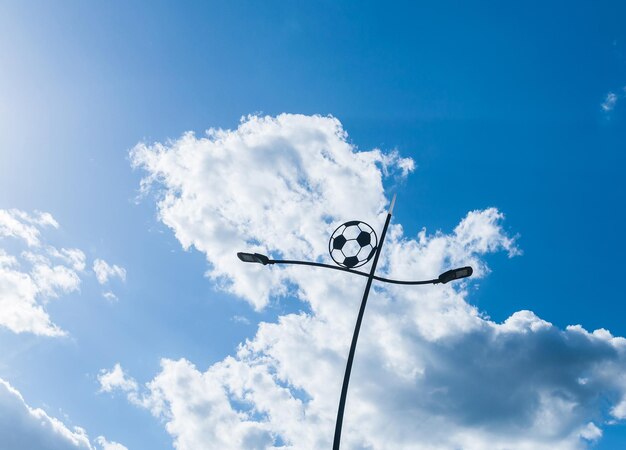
column 353, row 244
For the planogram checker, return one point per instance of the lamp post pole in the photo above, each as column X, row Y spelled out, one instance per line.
column 355, row 335
column 444, row 278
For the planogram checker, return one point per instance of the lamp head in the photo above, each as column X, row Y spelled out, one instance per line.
column 455, row 274
column 253, row 258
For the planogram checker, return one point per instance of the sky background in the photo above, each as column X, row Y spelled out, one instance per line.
column 519, row 107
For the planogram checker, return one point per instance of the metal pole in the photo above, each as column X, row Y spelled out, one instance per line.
column 355, row 336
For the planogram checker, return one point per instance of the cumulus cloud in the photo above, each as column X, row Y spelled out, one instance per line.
column 104, row 271
column 31, row 278
column 431, row 370
column 223, row 192
column 25, row 427
column 116, row 379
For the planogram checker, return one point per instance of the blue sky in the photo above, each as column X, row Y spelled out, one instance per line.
column 497, row 105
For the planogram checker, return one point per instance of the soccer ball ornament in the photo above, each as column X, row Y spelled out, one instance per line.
column 353, row 244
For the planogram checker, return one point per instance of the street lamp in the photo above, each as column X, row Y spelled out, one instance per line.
column 353, row 244
column 444, row 278
column 455, row 274
column 254, row 258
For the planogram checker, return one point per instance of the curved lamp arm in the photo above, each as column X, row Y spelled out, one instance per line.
column 445, row 277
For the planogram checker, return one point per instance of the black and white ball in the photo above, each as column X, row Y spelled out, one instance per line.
column 353, row 244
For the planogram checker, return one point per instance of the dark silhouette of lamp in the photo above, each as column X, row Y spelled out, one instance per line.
column 446, row 277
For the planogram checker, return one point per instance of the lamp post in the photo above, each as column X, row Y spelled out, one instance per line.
column 444, row 278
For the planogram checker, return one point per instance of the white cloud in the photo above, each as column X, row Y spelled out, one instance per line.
column 591, row 432
column 25, row 427
column 106, row 445
column 241, row 319
column 431, row 372
column 52, row 280
column 40, row 273
column 73, row 256
column 104, row 272
column 20, row 307
column 19, row 224
column 619, row 410
column 223, row 192
column 110, row 296
column 116, row 379
column 609, row 102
